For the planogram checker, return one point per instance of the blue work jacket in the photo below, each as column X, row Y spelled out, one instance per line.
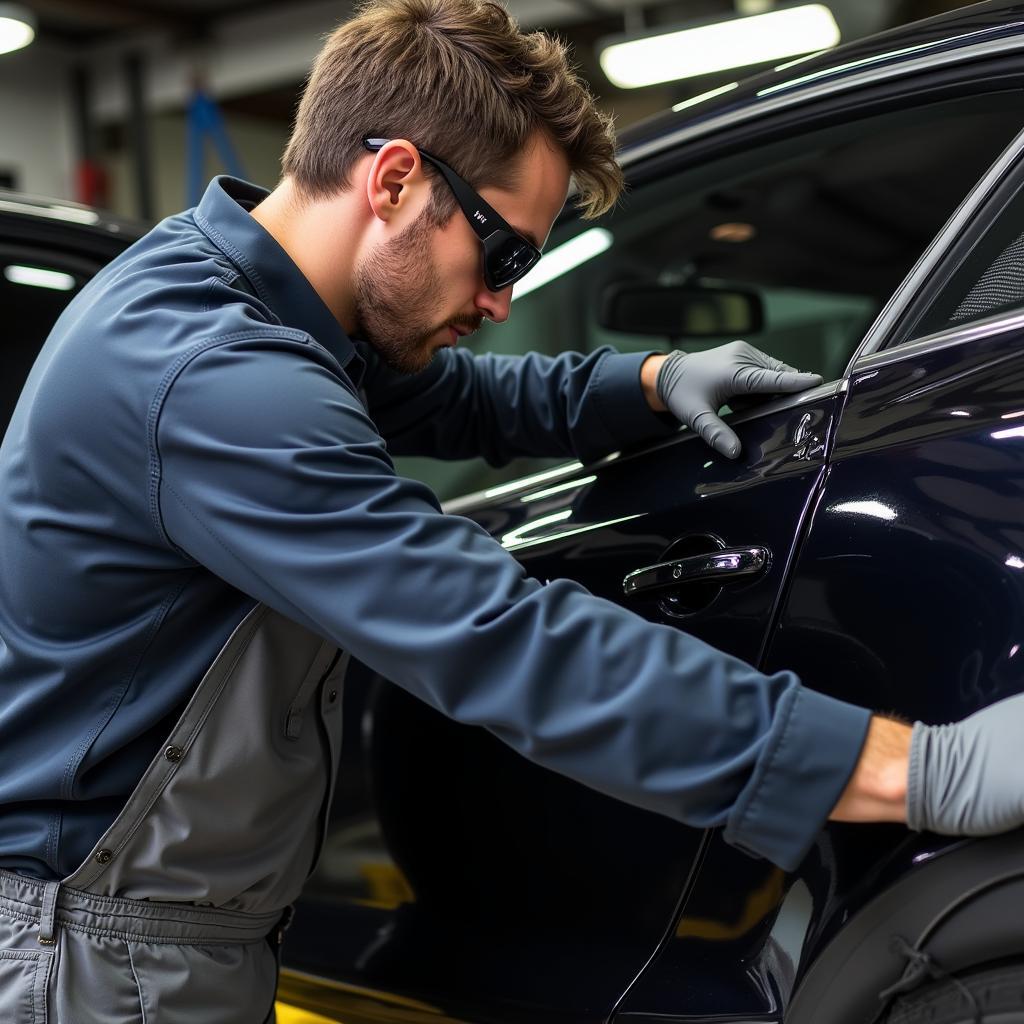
column 199, row 434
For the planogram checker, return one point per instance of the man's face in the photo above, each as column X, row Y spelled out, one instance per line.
column 422, row 289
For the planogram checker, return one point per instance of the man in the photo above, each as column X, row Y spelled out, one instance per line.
column 201, row 523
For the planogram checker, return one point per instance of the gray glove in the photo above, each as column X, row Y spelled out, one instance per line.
column 695, row 385
column 965, row 778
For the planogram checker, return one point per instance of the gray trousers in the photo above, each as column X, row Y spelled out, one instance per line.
column 167, row 921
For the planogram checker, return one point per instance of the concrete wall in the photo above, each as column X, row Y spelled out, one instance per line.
column 259, row 144
column 36, row 128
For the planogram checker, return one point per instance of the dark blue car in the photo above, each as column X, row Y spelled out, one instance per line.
column 858, row 213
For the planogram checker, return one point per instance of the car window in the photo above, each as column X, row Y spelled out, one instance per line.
column 794, row 246
column 34, row 289
column 989, row 280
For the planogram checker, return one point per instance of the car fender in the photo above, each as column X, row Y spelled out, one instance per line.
column 962, row 907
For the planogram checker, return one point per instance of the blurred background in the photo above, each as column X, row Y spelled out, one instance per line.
column 133, row 105
column 97, row 107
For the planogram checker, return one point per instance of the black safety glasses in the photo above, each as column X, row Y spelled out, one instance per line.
column 507, row 255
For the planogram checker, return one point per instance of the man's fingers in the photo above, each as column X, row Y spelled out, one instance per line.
column 796, row 381
column 763, row 359
column 716, row 434
column 759, row 381
column 770, row 362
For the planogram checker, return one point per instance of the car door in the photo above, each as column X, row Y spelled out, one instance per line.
column 908, row 595
column 458, row 880
column 906, row 592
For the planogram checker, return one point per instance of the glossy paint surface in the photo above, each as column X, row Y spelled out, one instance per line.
column 907, row 596
column 909, row 593
column 523, row 892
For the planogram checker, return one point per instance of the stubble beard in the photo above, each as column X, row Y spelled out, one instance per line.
column 396, row 291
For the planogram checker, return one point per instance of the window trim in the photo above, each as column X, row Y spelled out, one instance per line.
column 988, row 327
column 882, row 331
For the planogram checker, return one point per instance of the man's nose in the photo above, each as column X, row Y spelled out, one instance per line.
column 494, row 305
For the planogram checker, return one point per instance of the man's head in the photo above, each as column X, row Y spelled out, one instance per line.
column 502, row 108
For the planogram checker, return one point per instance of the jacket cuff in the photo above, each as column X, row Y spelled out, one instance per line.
column 800, row 775
column 626, row 418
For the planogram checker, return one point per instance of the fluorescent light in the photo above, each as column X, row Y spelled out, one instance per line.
column 537, row 478
column 517, row 539
column 732, row 231
column 564, row 258
column 710, row 94
column 999, row 435
column 54, row 212
column 835, row 69
column 558, row 488
column 519, row 534
column 866, row 508
column 17, row 27
column 36, row 277
column 736, row 43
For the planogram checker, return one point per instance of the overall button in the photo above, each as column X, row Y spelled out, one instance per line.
column 173, row 754
column 104, row 856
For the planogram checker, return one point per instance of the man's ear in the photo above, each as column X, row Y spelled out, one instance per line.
column 395, row 182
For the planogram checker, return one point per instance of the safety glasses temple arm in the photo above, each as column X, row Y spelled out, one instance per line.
column 467, row 197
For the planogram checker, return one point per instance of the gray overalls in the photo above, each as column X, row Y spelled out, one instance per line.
column 176, row 915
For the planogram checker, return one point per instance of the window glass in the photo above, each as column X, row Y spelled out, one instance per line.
column 794, row 246
column 34, row 289
column 989, row 281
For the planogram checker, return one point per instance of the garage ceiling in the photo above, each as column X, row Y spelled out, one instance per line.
column 254, row 54
column 87, row 21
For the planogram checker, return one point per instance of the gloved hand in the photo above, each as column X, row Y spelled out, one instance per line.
column 694, row 386
column 965, row 778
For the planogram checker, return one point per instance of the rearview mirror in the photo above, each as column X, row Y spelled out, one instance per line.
column 680, row 311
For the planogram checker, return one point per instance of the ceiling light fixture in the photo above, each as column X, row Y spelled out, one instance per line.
column 17, row 27
column 737, row 43
column 734, row 231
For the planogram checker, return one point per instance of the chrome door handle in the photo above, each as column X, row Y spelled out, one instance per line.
column 728, row 566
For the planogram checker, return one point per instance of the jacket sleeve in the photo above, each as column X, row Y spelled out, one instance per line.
column 500, row 407
column 272, row 475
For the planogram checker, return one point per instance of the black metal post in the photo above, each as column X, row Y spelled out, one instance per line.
column 138, row 135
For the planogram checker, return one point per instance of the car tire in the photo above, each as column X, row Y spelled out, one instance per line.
column 998, row 992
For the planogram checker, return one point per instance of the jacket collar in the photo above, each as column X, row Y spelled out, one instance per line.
column 223, row 215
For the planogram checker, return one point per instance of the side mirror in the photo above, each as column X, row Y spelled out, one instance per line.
column 680, row 311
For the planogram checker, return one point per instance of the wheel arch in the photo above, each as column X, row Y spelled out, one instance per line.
column 963, row 907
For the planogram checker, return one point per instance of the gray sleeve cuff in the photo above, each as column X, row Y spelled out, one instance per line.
column 800, row 775
column 622, row 409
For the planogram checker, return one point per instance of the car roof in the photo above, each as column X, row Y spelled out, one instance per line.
column 49, row 210
column 993, row 22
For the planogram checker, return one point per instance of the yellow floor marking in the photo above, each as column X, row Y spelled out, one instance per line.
column 293, row 1015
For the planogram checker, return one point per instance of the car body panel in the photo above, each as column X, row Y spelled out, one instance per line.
column 907, row 595
column 567, row 893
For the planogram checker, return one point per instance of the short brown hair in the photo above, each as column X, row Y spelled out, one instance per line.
column 458, row 78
